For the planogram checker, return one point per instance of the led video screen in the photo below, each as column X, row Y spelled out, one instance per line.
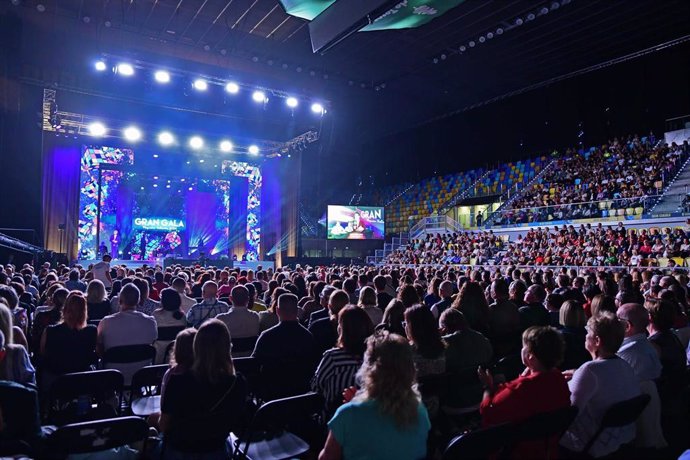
column 355, row 223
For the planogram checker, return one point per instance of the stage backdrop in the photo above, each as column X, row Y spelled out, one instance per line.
column 74, row 176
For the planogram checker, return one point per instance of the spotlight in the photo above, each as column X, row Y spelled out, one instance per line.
column 499, row 31
column 201, row 161
column 190, row 188
column 462, row 49
column 132, row 134
column 200, row 85
column 490, row 35
column 292, row 102
column 317, row 108
column 125, row 69
column 259, row 96
column 518, row 22
column 162, row 76
column 472, row 43
column 155, row 185
column 41, row 8
column 97, row 129
column 100, row 66
column 232, row 88
column 482, row 39
column 253, row 149
column 530, row 17
column 226, row 146
column 166, row 138
column 544, row 10
column 196, row 142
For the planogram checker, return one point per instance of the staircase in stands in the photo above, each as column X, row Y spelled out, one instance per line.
column 676, row 189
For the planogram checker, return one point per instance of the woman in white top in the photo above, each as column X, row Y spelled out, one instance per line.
column 597, row 385
column 368, row 302
column 168, row 315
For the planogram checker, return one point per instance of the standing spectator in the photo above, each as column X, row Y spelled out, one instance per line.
column 386, row 418
column 97, row 300
column 101, row 271
column 383, row 298
column 127, row 327
column 208, row 308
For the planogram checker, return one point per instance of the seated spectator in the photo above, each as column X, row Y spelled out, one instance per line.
column 383, row 298
column 540, row 388
column 69, row 346
column 602, row 303
column 671, row 352
column 20, row 316
column 180, row 285
column 312, row 302
column 74, row 283
column 367, row 302
column 338, row 366
column 13, row 334
column 445, row 301
column 598, row 384
column 504, row 320
column 465, row 347
column 46, row 316
column 97, row 300
column 325, row 331
column 553, row 304
column 208, row 308
column 200, row 407
column 181, row 356
column 146, row 305
column 433, row 295
column 644, row 360
column 288, row 345
column 471, row 301
column 158, row 286
column 169, row 314
column 127, row 327
column 572, row 321
column 240, row 320
column 534, row 313
column 269, row 318
column 386, row 418
column 393, row 318
column 323, row 311
column 15, row 365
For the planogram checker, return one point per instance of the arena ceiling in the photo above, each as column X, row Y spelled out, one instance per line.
column 480, row 51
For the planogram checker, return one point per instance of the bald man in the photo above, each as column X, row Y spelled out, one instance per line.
column 636, row 349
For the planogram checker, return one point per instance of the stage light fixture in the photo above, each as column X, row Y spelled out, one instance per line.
column 202, row 160
column 162, row 76
column 232, row 88
column 190, row 188
column 259, row 96
column 200, row 85
column 125, row 69
column 253, row 149
column 166, row 138
column 97, row 129
column 155, row 185
column 155, row 155
column 182, row 180
column 155, row 177
column 196, row 142
column 100, row 66
column 226, row 146
column 317, row 108
column 133, row 134
column 292, row 102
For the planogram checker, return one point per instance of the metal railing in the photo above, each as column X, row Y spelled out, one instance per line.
column 492, row 268
column 435, row 224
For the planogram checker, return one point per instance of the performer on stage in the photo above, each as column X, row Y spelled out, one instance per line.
column 142, row 246
column 115, row 243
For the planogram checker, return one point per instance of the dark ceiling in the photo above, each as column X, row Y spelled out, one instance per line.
column 433, row 70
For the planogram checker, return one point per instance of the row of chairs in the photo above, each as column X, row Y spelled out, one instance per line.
column 500, row 441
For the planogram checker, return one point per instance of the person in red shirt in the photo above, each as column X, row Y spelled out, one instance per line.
column 540, row 388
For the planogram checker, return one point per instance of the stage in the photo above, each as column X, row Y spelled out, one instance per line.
column 170, row 261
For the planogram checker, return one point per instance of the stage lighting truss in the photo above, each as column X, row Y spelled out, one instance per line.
column 76, row 124
column 295, row 145
column 229, row 85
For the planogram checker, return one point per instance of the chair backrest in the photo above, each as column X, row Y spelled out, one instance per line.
column 480, row 444
column 130, row 354
column 70, row 386
column 547, row 427
column 620, row 414
column 104, row 387
column 243, row 344
column 80, row 438
column 169, row 332
column 147, row 381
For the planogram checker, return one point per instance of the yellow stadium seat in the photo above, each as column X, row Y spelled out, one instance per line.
column 678, row 260
column 663, row 261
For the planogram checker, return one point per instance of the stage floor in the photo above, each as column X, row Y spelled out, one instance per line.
column 165, row 262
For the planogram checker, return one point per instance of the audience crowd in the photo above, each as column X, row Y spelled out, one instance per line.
column 566, row 245
column 369, row 340
column 617, row 178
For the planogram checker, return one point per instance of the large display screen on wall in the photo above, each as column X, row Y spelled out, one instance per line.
column 355, row 223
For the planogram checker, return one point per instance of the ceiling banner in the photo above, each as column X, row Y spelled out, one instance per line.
column 404, row 15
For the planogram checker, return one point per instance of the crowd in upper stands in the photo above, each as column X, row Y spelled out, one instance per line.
column 620, row 175
column 583, row 245
column 362, row 338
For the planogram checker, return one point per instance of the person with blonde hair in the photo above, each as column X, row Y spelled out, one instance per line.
column 13, row 334
column 200, row 407
column 572, row 320
column 386, row 418
column 97, row 300
column 15, row 364
column 368, row 302
column 70, row 345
